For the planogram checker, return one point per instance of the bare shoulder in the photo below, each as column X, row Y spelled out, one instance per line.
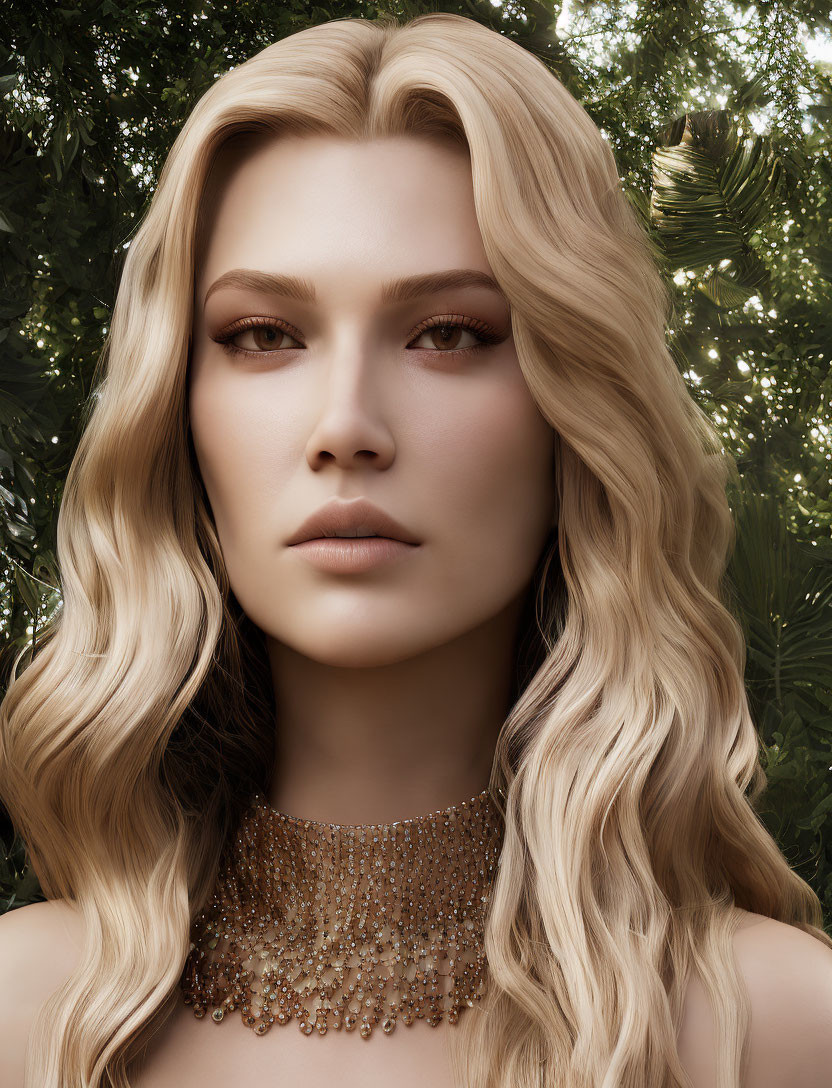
column 40, row 945
column 788, row 974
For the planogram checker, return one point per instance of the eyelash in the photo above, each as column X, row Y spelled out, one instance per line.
column 487, row 336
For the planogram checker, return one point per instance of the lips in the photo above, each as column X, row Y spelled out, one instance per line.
column 358, row 516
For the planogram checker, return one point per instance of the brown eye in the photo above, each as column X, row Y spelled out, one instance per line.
column 446, row 337
column 444, row 334
column 264, row 336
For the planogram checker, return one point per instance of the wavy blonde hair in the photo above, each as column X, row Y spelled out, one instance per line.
column 132, row 738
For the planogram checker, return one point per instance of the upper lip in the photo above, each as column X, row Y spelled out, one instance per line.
column 359, row 515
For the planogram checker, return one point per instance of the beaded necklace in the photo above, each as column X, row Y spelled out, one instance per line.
column 345, row 926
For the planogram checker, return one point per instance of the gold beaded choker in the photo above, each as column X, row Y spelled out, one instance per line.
column 347, row 925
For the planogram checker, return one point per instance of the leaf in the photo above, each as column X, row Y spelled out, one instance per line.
column 710, row 191
column 724, row 291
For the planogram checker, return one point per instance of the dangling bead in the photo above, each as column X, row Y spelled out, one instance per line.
column 347, row 926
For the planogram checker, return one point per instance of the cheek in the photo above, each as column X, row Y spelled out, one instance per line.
column 499, row 462
column 238, row 448
column 494, row 480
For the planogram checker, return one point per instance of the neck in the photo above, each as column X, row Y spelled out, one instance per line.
column 384, row 742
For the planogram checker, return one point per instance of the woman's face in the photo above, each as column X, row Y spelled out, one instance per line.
column 349, row 395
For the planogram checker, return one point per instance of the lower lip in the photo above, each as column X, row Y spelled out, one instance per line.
column 352, row 554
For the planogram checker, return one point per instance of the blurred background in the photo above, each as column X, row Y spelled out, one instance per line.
column 719, row 116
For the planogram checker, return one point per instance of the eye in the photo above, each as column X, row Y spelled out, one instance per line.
column 266, row 335
column 447, row 330
column 443, row 334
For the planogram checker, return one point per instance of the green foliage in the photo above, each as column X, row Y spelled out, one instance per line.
column 782, row 590
column 719, row 119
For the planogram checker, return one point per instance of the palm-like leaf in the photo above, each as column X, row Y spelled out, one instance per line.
column 783, row 594
column 711, row 190
column 783, row 587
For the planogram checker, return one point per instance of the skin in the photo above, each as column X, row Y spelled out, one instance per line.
column 396, row 669
column 788, row 975
column 392, row 684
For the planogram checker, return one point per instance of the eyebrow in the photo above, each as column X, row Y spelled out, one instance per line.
column 396, row 290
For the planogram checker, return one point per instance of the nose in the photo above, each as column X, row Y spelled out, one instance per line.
column 350, row 426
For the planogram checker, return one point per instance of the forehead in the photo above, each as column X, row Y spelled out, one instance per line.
column 318, row 202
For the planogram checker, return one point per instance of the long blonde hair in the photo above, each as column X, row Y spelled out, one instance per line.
column 132, row 738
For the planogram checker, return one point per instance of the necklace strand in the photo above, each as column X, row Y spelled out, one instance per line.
column 345, row 926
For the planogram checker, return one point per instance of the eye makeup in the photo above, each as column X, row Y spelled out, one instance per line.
column 485, row 333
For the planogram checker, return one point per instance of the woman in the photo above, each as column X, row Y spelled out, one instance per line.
column 389, row 286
